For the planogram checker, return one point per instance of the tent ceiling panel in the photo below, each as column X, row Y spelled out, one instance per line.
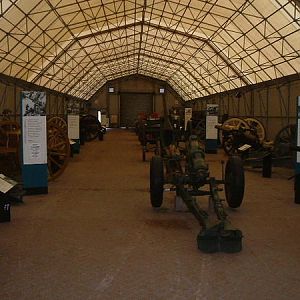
column 199, row 47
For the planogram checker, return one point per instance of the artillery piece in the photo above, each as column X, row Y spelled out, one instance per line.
column 247, row 139
column 91, row 128
column 188, row 174
column 197, row 125
column 149, row 136
column 237, row 132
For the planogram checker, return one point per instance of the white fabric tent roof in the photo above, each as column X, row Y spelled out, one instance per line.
column 198, row 47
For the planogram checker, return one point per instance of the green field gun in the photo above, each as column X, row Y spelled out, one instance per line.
column 188, row 175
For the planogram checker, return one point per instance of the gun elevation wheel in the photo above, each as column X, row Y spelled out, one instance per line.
column 156, row 181
column 234, row 181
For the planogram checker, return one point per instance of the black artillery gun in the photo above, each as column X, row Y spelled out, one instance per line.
column 188, row 176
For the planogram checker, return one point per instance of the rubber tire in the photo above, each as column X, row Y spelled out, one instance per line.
column 234, row 181
column 156, row 181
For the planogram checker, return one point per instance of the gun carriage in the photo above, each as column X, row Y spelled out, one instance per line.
column 197, row 125
column 246, row 137
column 149, row 137
column 187, row 173
column 91, row 128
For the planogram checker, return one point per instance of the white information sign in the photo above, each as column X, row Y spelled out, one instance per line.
column 34, row 133
column 34, row 140
column 211, row 131
column 212, row 121
column 187, row 116
column 73, row 127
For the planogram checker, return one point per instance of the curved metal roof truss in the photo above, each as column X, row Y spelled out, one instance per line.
column 198, row 47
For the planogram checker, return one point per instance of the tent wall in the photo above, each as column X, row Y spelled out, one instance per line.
column 273, row 103
column 10, row 97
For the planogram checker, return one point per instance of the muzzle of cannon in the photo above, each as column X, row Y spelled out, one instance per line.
column 188, row 176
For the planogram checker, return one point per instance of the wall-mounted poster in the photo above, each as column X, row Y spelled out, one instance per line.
column 34, row 103
column 73, row 107
column 34, row 128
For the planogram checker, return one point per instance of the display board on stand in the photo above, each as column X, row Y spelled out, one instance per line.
column 73, row 109
column 211, row 138
column 34, row 142
column 188, row 112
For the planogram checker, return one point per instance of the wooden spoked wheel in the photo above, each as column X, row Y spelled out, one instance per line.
column 285, row 140
column 258, row 127
column 58, row 150
column 235, row 123
column 59, row 122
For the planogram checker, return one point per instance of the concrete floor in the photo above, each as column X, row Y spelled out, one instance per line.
column 95, row 236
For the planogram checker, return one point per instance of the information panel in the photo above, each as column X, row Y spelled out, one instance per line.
column 34, row 142
column 211, row 141
column 34, row 128
column 73, row 127
column 188, row 112
column 212, row 121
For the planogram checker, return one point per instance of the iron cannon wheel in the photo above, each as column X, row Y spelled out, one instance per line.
column 156, row 181
column 234, row 181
